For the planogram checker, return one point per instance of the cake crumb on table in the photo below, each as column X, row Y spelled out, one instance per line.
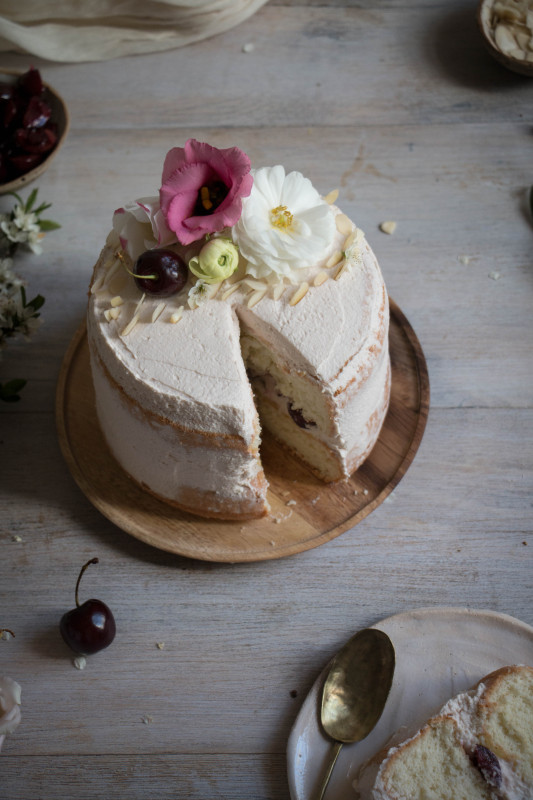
column 388, row 227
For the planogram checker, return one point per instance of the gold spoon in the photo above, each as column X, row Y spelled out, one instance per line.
column 356, row 690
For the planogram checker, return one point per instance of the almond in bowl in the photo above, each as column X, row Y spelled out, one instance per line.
column 507, row 29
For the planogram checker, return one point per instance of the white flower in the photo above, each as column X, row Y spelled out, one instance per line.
column 141, row 226
column 285, row 224
column 10, row 698
column 15, row 317
column 25, row 220
column 9, row 280
column 200, row 293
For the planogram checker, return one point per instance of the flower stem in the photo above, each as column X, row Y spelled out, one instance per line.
column 120, row 257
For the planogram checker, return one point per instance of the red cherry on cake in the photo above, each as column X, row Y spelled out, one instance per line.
column 160, row 272
column 89, row 627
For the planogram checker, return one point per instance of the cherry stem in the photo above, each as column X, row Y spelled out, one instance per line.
column 82, row 570
column 6, row 630
column 120, row 257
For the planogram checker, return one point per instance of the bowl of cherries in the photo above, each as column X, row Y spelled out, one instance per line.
column 34, row 123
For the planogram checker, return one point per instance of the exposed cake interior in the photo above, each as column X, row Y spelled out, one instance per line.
column 479, row 746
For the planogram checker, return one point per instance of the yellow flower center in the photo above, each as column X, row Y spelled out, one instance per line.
column 281, row 218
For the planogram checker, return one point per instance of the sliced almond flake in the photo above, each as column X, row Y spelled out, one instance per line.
column 388, row 227
column 111, row 271
column 116, row 301
column 343, row 267
column 344, row 224
column 230, row 290
column 256, row 297
column 158, row 310
column 131, row 324
column 176, row 315
column 299, row 293
column 334, row 259
column 212, row 289
column 255, row 284
column 320, row 278
column 98, row 283
column 139, row 304
column 505, row 41
column 111, row 313
column 350, row 239
column 278, row 290
column 331, row 197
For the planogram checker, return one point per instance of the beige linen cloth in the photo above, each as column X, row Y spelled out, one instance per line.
column 95, row 30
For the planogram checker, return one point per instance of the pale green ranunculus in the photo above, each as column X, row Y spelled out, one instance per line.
column 216, row 261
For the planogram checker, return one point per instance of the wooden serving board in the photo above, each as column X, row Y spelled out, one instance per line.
column 305, row 512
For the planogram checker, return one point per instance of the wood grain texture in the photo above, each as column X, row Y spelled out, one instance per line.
column 396, row 103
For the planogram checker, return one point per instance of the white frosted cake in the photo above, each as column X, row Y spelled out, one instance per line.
column 479, row 746
column 275, row 315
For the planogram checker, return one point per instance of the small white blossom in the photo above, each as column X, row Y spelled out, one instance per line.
column 10, row 282
column 15, row 317
column 26, row 221
column 10, row 699
column 200, row 293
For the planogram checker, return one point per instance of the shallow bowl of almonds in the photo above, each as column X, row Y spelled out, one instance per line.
column 507, row 28
column 34, row 123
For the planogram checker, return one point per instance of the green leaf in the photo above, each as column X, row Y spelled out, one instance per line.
column 36, row 303
column 17, row 196
column 23, row 295
column 48, row 225
column 42, row 208
column 9, row 392
column 31, row 200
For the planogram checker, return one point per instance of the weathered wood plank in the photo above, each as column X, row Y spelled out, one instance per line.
column 347, row 65
column 138, row 777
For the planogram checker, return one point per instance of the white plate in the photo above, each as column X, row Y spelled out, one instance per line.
column 439, row 652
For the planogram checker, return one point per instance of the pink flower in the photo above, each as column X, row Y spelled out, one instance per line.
column 203, row 188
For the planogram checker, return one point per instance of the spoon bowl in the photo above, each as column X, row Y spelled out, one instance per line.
column 355, row 690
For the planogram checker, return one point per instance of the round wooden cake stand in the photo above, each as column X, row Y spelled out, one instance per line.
column 305, row 512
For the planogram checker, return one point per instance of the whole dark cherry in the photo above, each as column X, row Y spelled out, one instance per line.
column 160, row 272
column 89, row 627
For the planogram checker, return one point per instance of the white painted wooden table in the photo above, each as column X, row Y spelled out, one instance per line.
column 397, row 104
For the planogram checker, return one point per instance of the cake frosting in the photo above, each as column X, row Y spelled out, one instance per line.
column 297, row 330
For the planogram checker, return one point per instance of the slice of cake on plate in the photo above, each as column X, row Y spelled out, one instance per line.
column 235, row 299
column 478, row 747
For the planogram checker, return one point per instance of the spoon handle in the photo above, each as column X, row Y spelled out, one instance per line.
column 336, row 750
